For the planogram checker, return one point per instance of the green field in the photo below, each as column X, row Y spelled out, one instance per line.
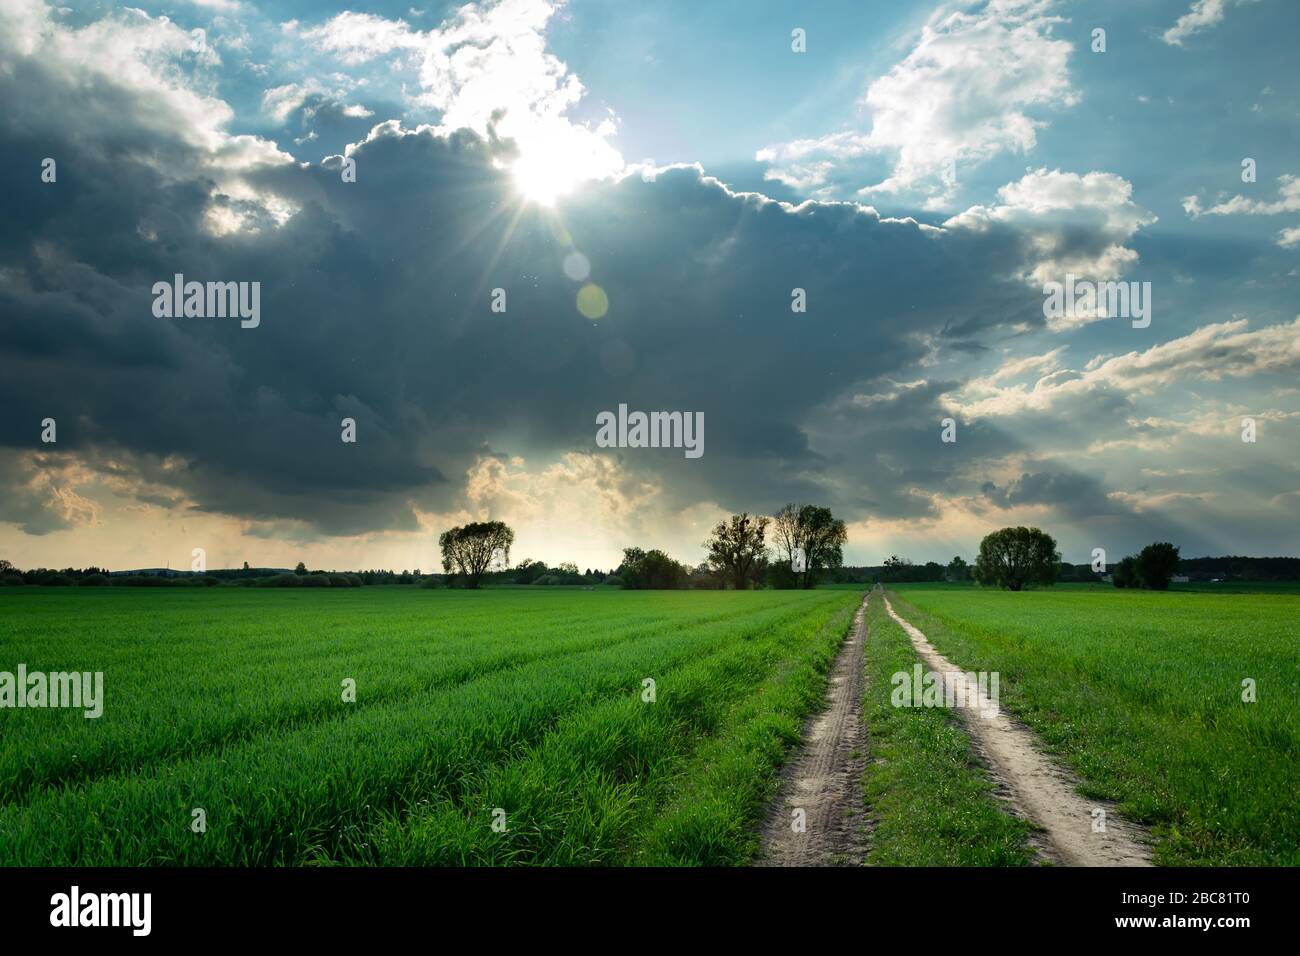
column 1141, row 694
column 928, row 800
column 529, row 701
column 231, row 701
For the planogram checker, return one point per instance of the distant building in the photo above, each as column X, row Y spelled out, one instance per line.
column 1181, row 579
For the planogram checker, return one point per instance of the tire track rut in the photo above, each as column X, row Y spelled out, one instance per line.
column 1037, row 788
column 825, row 778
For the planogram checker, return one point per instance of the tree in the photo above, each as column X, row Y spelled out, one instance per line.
column 528, row 571
column 1014, row 557
column 300, row 569
column 703, row 577
column 896, row 570
column 785, row 537
column 958, row 569
column 819, row 534
column 1125, row 573
column 1156, row 564
column 778, row 575
column 651, row 570
column 737, row 552
column 469, row 550
column 933, row 571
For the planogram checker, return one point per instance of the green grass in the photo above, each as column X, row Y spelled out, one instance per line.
column 1240, row 587
column 929, row 802
column 528, row 701
column 732, row 777
column 1141, row 694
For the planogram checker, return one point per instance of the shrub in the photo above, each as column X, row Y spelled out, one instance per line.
column 1125, row 573
column 283, row 581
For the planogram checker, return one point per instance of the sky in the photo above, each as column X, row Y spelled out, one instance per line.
column 827, row 230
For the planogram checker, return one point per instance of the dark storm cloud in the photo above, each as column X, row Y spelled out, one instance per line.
column 375, row 306
column 25, row 503
column 1102, row 520
column 892, row 461
column 1078, row 495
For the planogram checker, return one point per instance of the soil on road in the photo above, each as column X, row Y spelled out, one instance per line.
column 824, row 781
column 1037, row 788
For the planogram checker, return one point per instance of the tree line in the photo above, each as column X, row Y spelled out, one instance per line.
column 743, row 551
column 805, row 541
column 1020, row 557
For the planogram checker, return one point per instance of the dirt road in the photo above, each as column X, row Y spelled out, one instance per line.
column 824, row 780
column 1037, row 788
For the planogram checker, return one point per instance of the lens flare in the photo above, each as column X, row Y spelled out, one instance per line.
column 592, row 301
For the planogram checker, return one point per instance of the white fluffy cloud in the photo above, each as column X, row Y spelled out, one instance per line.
column 152, row 59
column 278, row 102
column 1069, row 223
column 1288, row 201
column 487, row 69
column 1202, row 15
column 356, row 38
column 1212, row 352
column 165, row 72
column 963, row 94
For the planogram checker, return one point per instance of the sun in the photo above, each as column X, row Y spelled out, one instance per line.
column 543, row 178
